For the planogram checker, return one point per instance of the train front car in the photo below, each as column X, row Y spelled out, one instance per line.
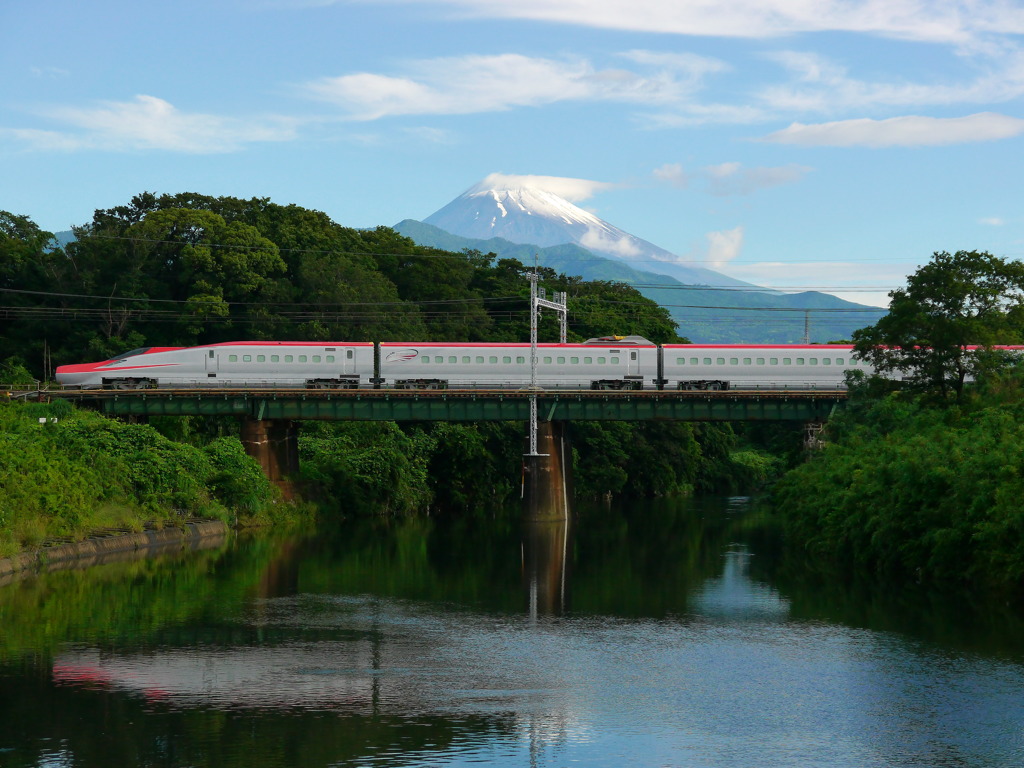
column 239, row 364
column 138, row 369
column 609, row 363
column 762, row 366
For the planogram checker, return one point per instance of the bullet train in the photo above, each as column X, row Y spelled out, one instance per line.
column 606, row 363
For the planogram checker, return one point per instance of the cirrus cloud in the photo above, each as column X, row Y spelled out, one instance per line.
column 949, row 21
column 474, row 83
column 908, row 131
column 149, row 123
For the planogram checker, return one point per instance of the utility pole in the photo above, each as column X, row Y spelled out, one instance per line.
column 538, row 299
column 807, row 326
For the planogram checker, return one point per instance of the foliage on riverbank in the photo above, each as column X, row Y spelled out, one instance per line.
column 65, row 472
column 908, row 489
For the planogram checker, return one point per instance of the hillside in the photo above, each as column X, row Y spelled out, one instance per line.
column 705, row 315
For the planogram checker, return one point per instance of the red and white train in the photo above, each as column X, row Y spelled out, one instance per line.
column 611, row 362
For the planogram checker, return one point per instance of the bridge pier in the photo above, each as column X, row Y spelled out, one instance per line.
column 547, row 480
column 274, row 444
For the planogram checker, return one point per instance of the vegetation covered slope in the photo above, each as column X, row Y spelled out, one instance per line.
column 923, row 476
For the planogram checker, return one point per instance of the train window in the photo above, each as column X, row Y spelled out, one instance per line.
column 246, row 358
column 826, row 361
column 615, row 361
column 601, row 361
column 734, row 361
column 261, row 358
column 773, row 361
column 453, row 359
column 719, row 361
column 547, row 361
column 480, row 359
column 840, row 361
column 425, row 359
column 316, row 358
column 211, row 353
column 588, row 360
column 561, row 361
column 288, row 358
column 680, row 361
column 233, row 358
column 574, row 360
column 760, row 361
column 467, row 359
column 302, row 359
column 787, row 361
column 800, row 361
column 492, row 359
column 693, row 360
column 520, row 360
column 506, row 359
column 349, row 354
column 707, row 361
column 812, row 360
column 746, row 361
column 330, row 358
column 275, row 358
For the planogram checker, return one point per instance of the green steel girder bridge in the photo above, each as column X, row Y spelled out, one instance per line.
column 465, row 405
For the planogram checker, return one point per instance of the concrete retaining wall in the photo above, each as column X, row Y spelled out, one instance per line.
column 201, row 535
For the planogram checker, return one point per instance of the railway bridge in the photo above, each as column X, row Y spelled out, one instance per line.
column 269, row 417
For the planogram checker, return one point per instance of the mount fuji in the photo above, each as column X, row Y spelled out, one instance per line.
column 516, row 220
column 525, row 214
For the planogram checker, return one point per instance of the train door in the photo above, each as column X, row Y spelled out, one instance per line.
column 212, row 363
column 633, row 368
column 348, row 361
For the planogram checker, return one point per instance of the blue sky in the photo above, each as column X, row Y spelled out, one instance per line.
column 832, row 144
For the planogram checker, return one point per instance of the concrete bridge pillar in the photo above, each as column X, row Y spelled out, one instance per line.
column 547, row 480
column 274, row 444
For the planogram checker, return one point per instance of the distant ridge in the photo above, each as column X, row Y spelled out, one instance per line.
column 704, row 314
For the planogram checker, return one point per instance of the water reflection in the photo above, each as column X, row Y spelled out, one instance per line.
column 546, row 573
column 642, row 635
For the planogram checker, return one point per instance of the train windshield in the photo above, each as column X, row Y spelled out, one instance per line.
column 132, row 353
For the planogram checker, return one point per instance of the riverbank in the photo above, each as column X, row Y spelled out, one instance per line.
column 111, row 547
column 907, row 490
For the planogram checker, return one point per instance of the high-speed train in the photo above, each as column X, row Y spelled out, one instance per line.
column 608, row 363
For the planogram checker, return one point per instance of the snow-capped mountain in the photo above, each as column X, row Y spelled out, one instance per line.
column 525, row 214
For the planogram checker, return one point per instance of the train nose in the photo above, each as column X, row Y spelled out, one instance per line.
column 74, row 375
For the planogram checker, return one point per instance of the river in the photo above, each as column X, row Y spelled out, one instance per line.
column 668, row 633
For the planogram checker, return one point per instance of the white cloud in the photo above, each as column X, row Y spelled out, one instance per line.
column 151, row 123
column 723, row 247
column 573, row 190
column 470, row 84
column 733, row 179
column 909, row 131
column 672, row 173
column 951, row 21
column 822, row 85
column 992, row 221
column 599, row 241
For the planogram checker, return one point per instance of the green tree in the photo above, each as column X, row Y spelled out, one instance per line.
column 958, row 300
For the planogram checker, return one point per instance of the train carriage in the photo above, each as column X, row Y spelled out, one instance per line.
column 596, row 364
column 233, row 364
column 761, row 366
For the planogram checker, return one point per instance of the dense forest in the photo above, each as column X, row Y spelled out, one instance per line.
column 191, row 269
column 921, row 477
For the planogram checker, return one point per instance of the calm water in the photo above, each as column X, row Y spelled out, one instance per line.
column 650, row 635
